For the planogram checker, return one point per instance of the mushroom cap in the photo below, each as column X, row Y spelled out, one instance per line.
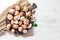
column 17, row 7
column 13, row 30
column 26, row 21
column 8, row 26
column 9, row 17
column 11, row 11
column 24, row 26
column 20, row 29
column 15, row 26
column 16, row 13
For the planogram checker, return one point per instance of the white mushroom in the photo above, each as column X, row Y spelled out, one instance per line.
column 17, row 7
column 26, row 21
column 30, row 25
column 16, row 13
column 15, row 22
column 28, row 13
column 20, row 29
column 9, row 17
column 21, row 14
column 11, row 11
column 8, row 26
column 16, row 17
column 20, row 22
column 24, row 26
column 22, row 18
column 24, row 31
column 12, row 30
column 12, row 22
column 15, row 26
column 25, row 8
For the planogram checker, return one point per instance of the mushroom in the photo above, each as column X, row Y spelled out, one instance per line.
column 24, row 26
column 26, row 21
column 15, row 26
column 16, row 17
column 12, row 22
column 17, row 7
column 9, row 17
column 21, row 14
column 8, row 26
column 20, row 29
column 13, row 30
column 25, row 8
column 28, row 13
column 16, row 13
column 20, row 22
column 22, row 18
column 15, row 22
column 11, row 11
column 24, row 31
column 30, row 25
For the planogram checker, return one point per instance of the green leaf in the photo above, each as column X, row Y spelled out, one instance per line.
column 35, row 25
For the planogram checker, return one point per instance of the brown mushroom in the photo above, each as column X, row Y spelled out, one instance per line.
column 13, row 30
column 16, row 13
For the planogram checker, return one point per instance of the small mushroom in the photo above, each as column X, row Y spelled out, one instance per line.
column 9, row 17
column 21, row 14
column 15, row 26
column 24, row 31
column 28, row 13
column 15, row 22
column 8, row 26
column 25, row 8
column 16, row 13
column 22, row 18
column 26, row 21
column 30, row 25
column 20, row 29
column 24, row 26
column 13, row 30
column 17, row 7
column 12, row 22
column 16, row 17
column 11, row 11
column 20, row 22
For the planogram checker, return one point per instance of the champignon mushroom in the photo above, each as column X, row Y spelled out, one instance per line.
column 22, row 18
column 25, row 8
column 16, row 13
column 28, row 13
column 12, row 22
column 21, row 14
column 26, row 21
column 16, row 17
column 11, row 11
column 20, row 22
column 30, row 25
column 13, row 30
column 20, row 29
column 9, row 17
column 17, row 7
column 24, row 26
column 24, row 31
column 8, row 26
column 15, row 22
column 15, row 26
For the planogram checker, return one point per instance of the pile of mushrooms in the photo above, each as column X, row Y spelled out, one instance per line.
column 20, row 19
